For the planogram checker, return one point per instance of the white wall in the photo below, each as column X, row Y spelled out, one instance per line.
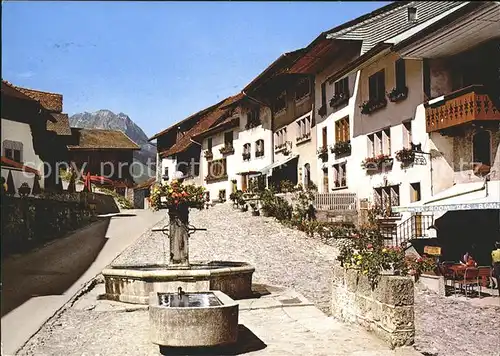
column 21, row 132
column 171, row 164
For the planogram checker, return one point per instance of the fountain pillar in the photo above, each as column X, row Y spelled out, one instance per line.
column 179, row 235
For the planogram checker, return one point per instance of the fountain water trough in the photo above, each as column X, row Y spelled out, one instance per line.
column 133, row 284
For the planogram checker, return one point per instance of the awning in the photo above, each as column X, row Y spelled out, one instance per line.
column 267, row 169
column 466, row 196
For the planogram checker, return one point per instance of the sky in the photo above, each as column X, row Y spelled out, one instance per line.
column 157, row 62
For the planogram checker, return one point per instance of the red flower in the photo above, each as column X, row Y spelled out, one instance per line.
column 369, row 246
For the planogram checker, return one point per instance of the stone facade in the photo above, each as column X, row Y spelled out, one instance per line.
column 387, row 309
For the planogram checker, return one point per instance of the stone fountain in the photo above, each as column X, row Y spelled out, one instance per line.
column 133, row 284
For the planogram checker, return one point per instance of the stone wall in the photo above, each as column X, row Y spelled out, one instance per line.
column 387, row 309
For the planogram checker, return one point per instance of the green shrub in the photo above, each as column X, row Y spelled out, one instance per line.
column 123, row 202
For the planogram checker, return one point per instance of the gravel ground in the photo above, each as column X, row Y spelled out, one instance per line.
column 280, row 255
column 450, row 326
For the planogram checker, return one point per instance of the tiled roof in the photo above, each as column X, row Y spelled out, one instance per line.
column 195, row 116
column 60, row 126
column 207, row 121
column 10, row 90
column 229, row 122
column 97, row 139
column 50, row 101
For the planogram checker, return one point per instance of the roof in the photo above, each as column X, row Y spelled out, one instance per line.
column 98, row 139
column 207, row 121
column 10, row 163
column 147, row 184
column 465, row 196
column 279, row 66
column 196, row 115
column 228, row 122
column 9, row 90
column 50, row 101
column 60, row 126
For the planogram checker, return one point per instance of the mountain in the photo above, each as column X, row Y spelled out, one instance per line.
column 106, row 119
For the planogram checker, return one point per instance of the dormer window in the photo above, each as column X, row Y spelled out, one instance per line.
column 412, row 14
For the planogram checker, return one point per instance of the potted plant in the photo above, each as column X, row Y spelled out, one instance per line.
column 208, row 154
column 227, row 149
column 323, row 153
column 246, row 156
column 406, row 156
column 177, row 195
column 339, row 99
column 341, row 148
column 376, row 163
column 259, row 153
column 397, row 94
column 372, row 105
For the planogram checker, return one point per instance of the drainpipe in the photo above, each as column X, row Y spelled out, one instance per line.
column 484, row 187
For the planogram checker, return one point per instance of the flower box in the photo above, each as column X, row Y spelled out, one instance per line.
column 378, row 163
column 246, row 156
column 227, row 150
column 322, row 110
column 323, row 153
column 398, row 94
column 210, row 178
column 259, row 153
column 209, row 154
column 339, row 99
column 304, row 137
column 341, row 148
column 406, row 156
column 372, row 105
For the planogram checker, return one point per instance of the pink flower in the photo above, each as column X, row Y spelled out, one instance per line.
column 369, row 246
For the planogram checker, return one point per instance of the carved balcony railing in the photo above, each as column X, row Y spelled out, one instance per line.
column 460, row 107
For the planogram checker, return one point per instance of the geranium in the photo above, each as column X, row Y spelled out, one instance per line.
column 177, row 194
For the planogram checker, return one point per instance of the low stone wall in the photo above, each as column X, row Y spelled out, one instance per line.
column 387, row 309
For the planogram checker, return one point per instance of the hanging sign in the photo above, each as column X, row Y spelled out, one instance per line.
column 432, row 250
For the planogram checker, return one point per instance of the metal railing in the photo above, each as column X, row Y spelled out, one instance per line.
column 336, row 201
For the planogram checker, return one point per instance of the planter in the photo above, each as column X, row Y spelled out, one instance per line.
column 406, row 156
column 246, row 156
column 339, row 99
column 371, row 106
column 227, row 150
column 377, row 164
column 259, row 153
column 209, row 155
column 341, row 148
column 397, row 94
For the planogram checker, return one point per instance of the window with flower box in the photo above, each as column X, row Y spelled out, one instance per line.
column 341, row 95
column 339, row 175
column 253, row 118
column 379, row 143
column 304, row 129
column 280, row 139
column 228, row 144
column 279, row 105
column 246, row 152
column 376, row 86
column 303, row 89
column 259, row 148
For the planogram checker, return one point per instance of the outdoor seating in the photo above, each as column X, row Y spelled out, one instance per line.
column 446, row 272
column 485, row 275
column 470, row 278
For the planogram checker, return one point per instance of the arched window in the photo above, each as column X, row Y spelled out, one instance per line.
column 259, row 148
column 307, row 175
column 246, row 151
column 481, row 148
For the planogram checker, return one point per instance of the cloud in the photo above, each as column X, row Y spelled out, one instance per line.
column 27, row 74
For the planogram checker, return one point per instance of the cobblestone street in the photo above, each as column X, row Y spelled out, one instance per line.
column 282, row 257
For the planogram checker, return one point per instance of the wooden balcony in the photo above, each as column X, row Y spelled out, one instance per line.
column 460, row 107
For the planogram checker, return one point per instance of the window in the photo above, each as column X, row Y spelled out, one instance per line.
column 303, row 89
column 253, row 118
column 376, row 86
column 280, row 138
column 323, row 94
column 407, row 139
column 400, row 74
column 339, row 175
column 412, row 14
column 280, row 103
column 209, row 144
column 165, row 173
column 13, row 150
column 386, row 197
column 481, row 148
column 342, row 130
column 379, row 143
column 304, row 128
column 228, row 139
column 342, row 86
column 307, row 175
column 222, row 195
column 324, row 136
column 259, row 148
column 246, row 151
column 325, row 180
column 415, row 192
column 217, row 168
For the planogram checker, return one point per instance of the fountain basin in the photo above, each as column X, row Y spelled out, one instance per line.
column 194, row 321
column 133, row 284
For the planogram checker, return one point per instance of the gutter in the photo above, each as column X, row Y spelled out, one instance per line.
column 196, row 142
column 254, row 99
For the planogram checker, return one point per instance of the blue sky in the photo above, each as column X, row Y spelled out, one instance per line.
column 158, row 62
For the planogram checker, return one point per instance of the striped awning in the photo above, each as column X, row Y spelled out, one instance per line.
column 268, row 169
